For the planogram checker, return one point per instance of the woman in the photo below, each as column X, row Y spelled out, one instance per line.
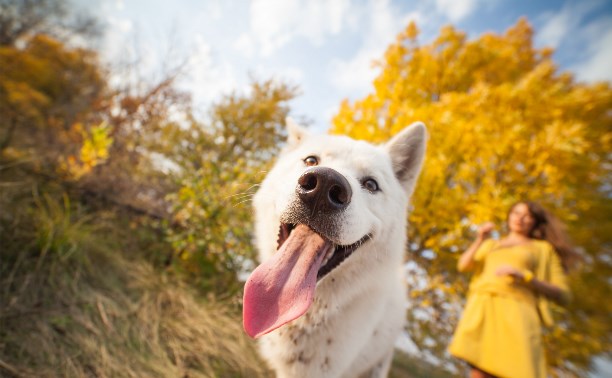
column 500, row 331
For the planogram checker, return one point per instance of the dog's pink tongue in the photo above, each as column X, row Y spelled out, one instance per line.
column 282, row 288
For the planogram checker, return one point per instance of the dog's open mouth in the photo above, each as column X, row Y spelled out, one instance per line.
column 282, row 288
column 334, row 256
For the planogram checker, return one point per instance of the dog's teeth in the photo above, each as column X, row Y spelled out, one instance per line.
column 328, row 256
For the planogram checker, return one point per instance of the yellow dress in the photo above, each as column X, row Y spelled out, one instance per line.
column 500, row 330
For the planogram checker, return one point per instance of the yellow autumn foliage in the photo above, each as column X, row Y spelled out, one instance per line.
column 505, row 124
column 96, row 143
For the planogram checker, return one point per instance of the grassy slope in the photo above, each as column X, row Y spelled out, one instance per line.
column 79, row 298
column 405, row 366
column 114, row 317
column 118, row 318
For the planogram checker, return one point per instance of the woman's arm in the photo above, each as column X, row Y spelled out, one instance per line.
column 550, row 291
column 547, row 289
column 466, row 259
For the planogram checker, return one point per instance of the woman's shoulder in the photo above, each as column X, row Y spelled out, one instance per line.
column 543, row 247
column 543, row 244
column 489, row 244
column 486, row 246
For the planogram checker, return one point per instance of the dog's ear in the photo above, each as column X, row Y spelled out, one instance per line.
column 295, row 132
column 407, row 151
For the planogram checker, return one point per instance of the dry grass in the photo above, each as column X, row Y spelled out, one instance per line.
column 108, row 316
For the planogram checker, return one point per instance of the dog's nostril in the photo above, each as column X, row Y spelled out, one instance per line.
column 308, row 182
column 324, row 189
column 338, row 195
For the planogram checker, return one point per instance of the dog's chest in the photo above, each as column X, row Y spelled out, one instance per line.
column 307, row 344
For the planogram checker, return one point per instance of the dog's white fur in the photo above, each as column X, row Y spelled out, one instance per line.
column 359, row 307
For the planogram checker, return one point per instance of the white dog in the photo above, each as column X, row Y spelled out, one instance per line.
column 330, row 227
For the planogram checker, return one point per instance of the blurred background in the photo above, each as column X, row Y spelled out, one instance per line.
column 133, row 135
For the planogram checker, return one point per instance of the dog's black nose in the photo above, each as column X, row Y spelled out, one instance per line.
column 324, row 189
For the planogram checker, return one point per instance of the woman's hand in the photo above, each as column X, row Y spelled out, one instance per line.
column 466, row 259
column 507, row 270
column 485, row 230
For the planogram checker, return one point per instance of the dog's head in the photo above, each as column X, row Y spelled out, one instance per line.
column 325, row 198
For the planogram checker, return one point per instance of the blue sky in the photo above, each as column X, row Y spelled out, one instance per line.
column 326, row 46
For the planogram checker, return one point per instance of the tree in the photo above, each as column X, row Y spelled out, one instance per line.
column 220, row 163
column 48, row 93
column 21, row 20
column 505, row 124
column 60, row 111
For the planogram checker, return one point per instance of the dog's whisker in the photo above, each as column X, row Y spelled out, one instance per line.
column 245, row 192
column 239, row 197
column 242, row 202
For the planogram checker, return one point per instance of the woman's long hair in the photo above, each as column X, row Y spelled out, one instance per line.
column 548, row 227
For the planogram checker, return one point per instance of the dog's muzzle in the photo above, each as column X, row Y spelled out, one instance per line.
column 282, row 288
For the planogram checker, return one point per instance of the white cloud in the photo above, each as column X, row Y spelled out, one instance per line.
column 456, row 10
column 116, row 43
column 569, row 29
column 597, row 66
column 355, row 76
column 292, row 75
column 275, row 22
column 116, row 27
column 213, row 9
column 245, row 45
column 558, row 26
column 269, row 21
column 208, row 79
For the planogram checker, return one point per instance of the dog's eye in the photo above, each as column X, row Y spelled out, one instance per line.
column 311, row 161
column 371, row 185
